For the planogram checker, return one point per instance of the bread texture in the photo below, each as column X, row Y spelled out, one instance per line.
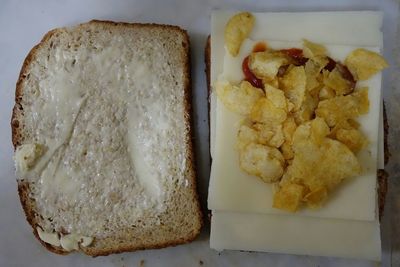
column 382, row 175
column 111, row 105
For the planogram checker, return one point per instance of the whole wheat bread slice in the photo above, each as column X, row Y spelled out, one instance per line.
column 113, row 218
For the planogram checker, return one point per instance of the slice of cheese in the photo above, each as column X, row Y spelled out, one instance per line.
column 295, row 235
column 231, row 189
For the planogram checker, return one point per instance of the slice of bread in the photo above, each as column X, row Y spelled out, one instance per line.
column 109, row 106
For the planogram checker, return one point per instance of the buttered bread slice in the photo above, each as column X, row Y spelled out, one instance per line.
column 102, row 135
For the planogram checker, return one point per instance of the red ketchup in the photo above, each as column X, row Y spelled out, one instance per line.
column 249, row 75
column 260, row 47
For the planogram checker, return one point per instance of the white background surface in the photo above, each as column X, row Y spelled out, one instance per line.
column 23, row 23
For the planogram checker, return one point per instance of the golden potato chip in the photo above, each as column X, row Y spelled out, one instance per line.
column 315, row 198
column 265, row 65
column 352, row 138
column 319, row 130
column 264, row 111
column 276, row 96
column 337, row 83
column 347, row 124
column 340, row 108
column 239, row 99
column 262, row 161
column 363, row 64
column 289, row 127
column 271, row 135
column 236, row 30
column 326, row 93
column 274, row 82
column 287, row 151
column 289, row 197
column 306, row 111
column 312, row 50
column 312, row 71
column 294, row 86
column 246, row 135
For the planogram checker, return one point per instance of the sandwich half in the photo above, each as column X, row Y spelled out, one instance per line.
column 243, row 214
column 103, row 142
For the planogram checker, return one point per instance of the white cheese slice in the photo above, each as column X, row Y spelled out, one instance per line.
column 295, row 235
column 231, row 189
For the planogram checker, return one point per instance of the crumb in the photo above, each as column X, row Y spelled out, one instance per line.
column 141, row 263
column 201, row 262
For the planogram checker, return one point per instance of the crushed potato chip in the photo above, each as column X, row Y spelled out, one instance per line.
column 271, row 135
column 264, row 111
column 326, row 93
column 246, row 135
column 347, row 124
column 239, row 99
column 336, row 82
column 289, row 197
column 363, row 64
column 340, row 108
column 262, row 161
column 237, row 29
column 352, row 138
column 266, row 64
column 315, row 198
column 276, row 96
column 294, row 86
column 312, row 71
column 287, row 151
column 306, row 111
column 274, row 82
column 325, row 164
column 312, row 50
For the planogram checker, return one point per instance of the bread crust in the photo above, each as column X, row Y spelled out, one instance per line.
column 382, row 175
column 29, row 205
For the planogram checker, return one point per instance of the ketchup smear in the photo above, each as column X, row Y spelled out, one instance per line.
column 260, row 47
column 249, row 75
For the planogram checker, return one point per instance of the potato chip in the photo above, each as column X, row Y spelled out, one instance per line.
column 236, row 30
column 264, row 111
column 326, row 93
column 352, row 138
column 265, row 65
column 289, row 197
column 294, row 86
column 271, row 135
column 337, row 83
column 276, row 96
column 246, row 135
column 319, row 130
column 363, row 64
column 287, row 151
column 340, row 108
column 315, row 198
column 262, row 161
column 312, row 71
column 325, row 164
column 306, row 111
column 274, row 82
column 312, row 50
column 239, row 99
column 289, row 127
